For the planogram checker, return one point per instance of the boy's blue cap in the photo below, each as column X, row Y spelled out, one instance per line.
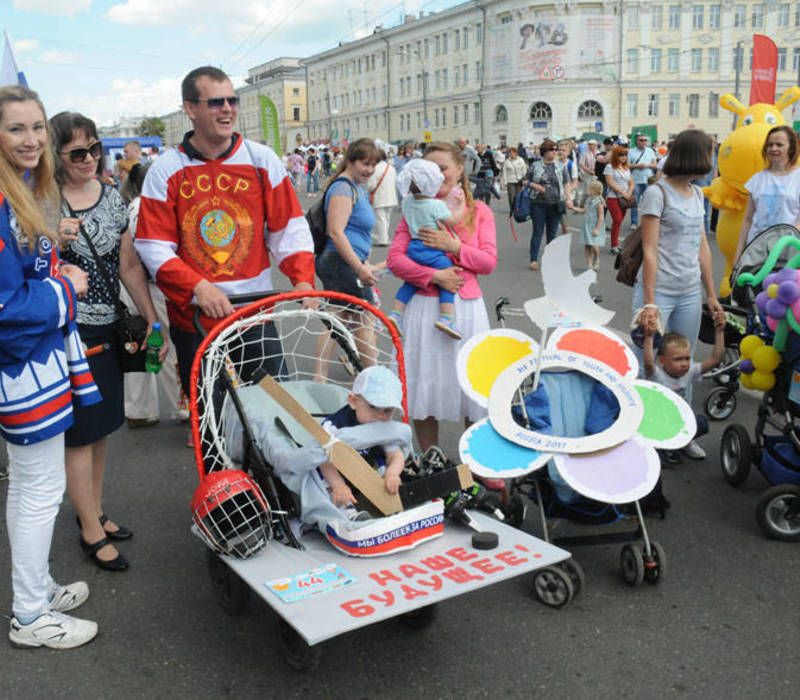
column 380, row 387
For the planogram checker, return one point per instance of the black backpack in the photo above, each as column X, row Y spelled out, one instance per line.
column 317, row 219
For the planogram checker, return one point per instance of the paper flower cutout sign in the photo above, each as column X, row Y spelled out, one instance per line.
column 615, row 464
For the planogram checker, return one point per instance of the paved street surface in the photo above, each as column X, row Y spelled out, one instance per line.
column 722, row 624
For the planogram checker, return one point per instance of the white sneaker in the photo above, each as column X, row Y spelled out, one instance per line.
column 69, row 597
column 53, row 630
column 694, row 451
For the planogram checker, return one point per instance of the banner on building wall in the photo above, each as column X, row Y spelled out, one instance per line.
column 270, row 127
column 765, row 67
column 554, row 48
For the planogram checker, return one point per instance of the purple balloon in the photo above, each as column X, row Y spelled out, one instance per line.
column 761, row 301
column 772, row 278
column 747, row 367
column 776, row 309
column 786, row 275
column 788, row 292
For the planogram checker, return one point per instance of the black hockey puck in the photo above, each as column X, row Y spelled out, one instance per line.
column 485, row 540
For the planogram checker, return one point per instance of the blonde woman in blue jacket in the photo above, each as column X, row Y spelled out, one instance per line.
column 42, row 365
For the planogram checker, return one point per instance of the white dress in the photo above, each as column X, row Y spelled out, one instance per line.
column 430, row 358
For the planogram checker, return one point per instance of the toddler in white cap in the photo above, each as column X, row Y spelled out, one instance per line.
column 376, row 394
column 419, row 181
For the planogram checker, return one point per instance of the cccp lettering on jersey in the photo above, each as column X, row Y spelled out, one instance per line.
column 223, row 182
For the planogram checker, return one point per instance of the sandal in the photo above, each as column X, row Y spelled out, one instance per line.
column 118, row 563
column 121, row 533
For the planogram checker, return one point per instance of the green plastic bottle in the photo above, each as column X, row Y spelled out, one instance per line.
column 155, row 342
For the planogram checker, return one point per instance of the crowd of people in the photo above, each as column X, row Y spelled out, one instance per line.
column 184, row 232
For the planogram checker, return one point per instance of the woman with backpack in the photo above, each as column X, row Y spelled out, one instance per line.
column 513, row 172
column 550, row 182
column 343, row 265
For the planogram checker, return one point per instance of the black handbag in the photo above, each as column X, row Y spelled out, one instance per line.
column 131, row 328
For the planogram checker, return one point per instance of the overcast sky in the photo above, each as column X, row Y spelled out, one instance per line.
column 114, row 58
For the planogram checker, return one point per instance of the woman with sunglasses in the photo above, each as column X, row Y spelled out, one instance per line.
column 550, row 184
column 37, row 308
column 95, row 210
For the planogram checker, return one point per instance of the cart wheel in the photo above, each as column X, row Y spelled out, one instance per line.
column 296, row 650
column 735, row 454
column 553, row 587
column 720, row 403
column 576, row 574
column 632, row 564
column 778, row 512
column 420, row 618
column 655, row 569
column 515, row 511
column 232, row 592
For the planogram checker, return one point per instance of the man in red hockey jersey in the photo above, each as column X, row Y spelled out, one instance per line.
column 212, row 212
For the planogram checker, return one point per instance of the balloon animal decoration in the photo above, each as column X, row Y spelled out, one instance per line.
column 739, row 159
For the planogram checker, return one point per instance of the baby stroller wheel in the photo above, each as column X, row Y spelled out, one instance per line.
column 553, row 587
column 720, row 403
column 632, row 564
column 656, row 567
column 420, row 618
column 735, row 454
column 232, row 592
column 296, row 650
column 778, row 512
column 576, row 574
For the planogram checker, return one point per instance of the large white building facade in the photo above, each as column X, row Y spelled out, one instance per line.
column 503, row 71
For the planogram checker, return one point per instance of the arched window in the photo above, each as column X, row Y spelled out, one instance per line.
column 501, row 114
column 590, row 110
column 540, row 111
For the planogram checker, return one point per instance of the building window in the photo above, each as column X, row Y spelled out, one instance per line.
column 427, row 44
column 296, row 92
column 436, row 117
column 694, row 105
column 438, row 79
column 419, row 120
column 713, row 60
column 783, row 16
column 402, row 120
column 652, row 105
column 295, row 114
column 633, row 17
column 697, row 16
column 476, row 112
column 738, row 56
column 466, row 37
column 713, row 105
column 465, row 73
column 457, row 39
column 445, row 78
column 713, row 16
column 402, row 88
column 466, row 114
column 444, row 42
column 501, row 114
column 631, row 105
column 697, row 60
column 739, row 16
column 590, row 110
column 437, row 44
column 674, row 16
column 795, row 59
column 477, row 70
column 506, row 19
column 757, row 17
column 633, row 60
column 782, row 59
column 455, row 115
column 672, row 60
column 674, row 105
column 655, row 60
column 541, row 111
column 479, row 33
column 456, row 77
column 656, row 18
column 444, row 116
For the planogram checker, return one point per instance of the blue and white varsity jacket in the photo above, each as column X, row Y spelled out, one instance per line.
column 42, row 363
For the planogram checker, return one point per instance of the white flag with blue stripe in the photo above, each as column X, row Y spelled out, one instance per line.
column 9, row 73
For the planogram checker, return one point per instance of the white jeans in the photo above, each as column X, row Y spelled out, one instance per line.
column 36, row 483
column 380, row 234
column 141, row 388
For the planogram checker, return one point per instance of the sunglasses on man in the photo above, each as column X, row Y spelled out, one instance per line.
column 219, row 102
column 78, row 155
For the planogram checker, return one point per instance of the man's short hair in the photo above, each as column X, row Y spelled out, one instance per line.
column 133, row 142
column 189, row 91
column 590, row 142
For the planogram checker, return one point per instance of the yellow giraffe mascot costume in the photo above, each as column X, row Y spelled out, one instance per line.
column 739, row 159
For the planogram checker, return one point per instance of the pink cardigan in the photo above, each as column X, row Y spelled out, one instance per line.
column 478, row 256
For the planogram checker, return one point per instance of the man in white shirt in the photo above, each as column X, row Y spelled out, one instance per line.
column 642, row 164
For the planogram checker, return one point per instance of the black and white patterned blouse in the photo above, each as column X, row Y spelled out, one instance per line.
column 104, row 223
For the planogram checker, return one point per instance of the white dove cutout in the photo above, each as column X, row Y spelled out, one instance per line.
column 619, row 463
column 567, row 301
